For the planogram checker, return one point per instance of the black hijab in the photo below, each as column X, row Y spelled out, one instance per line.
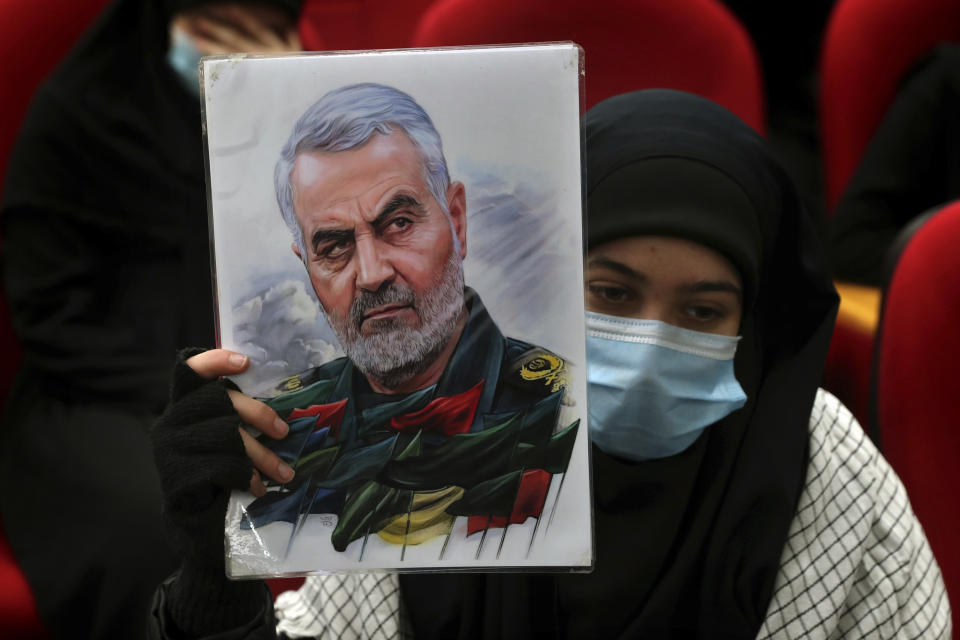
column 687, row 546
column 105, row 218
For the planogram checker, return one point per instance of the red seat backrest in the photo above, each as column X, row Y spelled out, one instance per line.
column 690, row 45
column 867, row 47
column 334, row 25
column 918, row 386
column 36, row 35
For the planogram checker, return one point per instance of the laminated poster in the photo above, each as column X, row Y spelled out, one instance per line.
column 397, row 247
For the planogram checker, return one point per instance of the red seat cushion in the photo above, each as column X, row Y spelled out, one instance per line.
column 690, row 45
column 918, row 388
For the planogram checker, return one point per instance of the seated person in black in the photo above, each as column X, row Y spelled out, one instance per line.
column 104, row 227
column 911, row 165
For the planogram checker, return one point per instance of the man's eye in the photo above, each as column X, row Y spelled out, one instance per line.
column 335, row 250
column 399, row 224
column 609, row 293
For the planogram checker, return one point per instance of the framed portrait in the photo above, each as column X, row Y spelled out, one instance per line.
column 397, row 246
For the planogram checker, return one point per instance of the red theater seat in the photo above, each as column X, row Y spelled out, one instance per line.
column 918, row 388
column 691, row 45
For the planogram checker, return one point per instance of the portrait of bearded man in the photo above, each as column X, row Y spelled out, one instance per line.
column 432, row 413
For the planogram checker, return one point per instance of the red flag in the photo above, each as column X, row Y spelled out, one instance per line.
column 328, row 415
column 449, row 415
column 531, row 497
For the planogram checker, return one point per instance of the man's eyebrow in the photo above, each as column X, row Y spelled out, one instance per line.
column 707, row 286
column 398, row 201
column 613, row 265
column 323, row 236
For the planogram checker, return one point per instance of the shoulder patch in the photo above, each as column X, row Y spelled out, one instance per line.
column 538, row 369
column 293, row 383
column 308, row 387
column 327, row 371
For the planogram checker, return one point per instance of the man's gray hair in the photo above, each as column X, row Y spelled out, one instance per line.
column 346, row 118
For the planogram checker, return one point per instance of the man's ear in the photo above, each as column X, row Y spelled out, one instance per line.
column 457, row 206
column 296, row 251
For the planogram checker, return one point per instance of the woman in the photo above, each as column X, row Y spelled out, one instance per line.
column 732, row 498
column 104, row 216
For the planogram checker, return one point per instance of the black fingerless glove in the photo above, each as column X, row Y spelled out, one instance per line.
column 200, row 458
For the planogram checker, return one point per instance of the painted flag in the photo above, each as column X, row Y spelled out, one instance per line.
column 528, row 502
column 367, row 510
column 285, row 506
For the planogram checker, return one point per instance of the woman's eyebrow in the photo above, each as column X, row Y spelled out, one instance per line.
column 707, row 286
column 613, row 265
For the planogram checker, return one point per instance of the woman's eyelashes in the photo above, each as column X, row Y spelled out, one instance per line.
column 609, row 293
column 702, row 313
column 676, row 309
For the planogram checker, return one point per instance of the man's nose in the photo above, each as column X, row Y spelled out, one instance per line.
column 373, row 267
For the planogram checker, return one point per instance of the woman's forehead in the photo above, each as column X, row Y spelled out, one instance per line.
column 662, row 256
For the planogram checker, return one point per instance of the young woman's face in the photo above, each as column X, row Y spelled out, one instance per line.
column 668, row 279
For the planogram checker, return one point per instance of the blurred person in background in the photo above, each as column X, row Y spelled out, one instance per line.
column 104, row 222
column 789, row 59
column 911, row 165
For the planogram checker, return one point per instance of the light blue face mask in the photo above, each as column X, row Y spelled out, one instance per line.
column 184, row 59
column 653, row 388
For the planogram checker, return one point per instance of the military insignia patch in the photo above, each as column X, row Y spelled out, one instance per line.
column 289, row 384
column 545, row 368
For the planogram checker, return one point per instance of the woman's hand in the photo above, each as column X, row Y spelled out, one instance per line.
column 200, row 459
column 220, row 362
column 238, row 28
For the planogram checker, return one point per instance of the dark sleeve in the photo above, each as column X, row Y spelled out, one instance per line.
column 162, row 627
column 91, row 309
column 102, row 286
column 906, row 169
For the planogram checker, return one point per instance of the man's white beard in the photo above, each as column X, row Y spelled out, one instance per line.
column 393, row 352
